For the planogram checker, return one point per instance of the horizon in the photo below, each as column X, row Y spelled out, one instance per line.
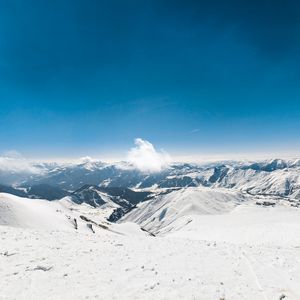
column 156, row 154
column 200, row 158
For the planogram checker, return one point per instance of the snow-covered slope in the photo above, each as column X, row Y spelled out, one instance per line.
column 217, row 231
column 63, row 215
column 234, row 255
column 37, row 214
column 277, row 226
column 213, row 243
column 165, row 209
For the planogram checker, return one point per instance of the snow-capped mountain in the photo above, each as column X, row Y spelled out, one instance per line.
column 119, row 188
column 37, row 191
column 166, row 209
column 274, row 177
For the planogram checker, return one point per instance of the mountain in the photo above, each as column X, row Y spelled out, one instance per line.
column 38, row 191
column 46, row 191
column 179, row 225
column 167, row 208
column 272, row 177
column 119, row 188
column 13, row 191
column 58, row 215
column 116, row 201
column 120, row 196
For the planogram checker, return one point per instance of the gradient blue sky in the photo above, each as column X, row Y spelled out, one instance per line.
column 87, row 77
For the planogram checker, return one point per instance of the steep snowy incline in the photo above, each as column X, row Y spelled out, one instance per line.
column 33, row 213
column 165, row 209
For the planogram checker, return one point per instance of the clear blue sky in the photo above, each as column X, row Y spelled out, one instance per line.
column 87, row 77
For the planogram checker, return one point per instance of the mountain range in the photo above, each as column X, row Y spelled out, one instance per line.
column 121, row 187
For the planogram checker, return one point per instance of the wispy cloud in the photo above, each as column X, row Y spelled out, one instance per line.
column 13, row 161
column 146, row 158
column 195, row 130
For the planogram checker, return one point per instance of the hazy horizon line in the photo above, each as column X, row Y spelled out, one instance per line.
column 175, row 158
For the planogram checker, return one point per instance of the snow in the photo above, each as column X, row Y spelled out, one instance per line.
column 272, row 183
column 30, row 213
column 247, row 224
column 165, row 209
column 86, row 209
column 223, row 246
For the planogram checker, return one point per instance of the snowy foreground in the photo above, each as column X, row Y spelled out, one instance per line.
column 249, row 252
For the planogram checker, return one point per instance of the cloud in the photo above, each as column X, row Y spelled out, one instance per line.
column 13, row 161
column 195, row 130
column 146, row 158
column 86, row 159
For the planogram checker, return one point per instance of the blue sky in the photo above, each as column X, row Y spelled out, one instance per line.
column 88, row 77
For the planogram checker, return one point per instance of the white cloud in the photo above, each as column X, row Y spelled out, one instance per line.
column 13, row 161
column 86, row 159
column 146, row 158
